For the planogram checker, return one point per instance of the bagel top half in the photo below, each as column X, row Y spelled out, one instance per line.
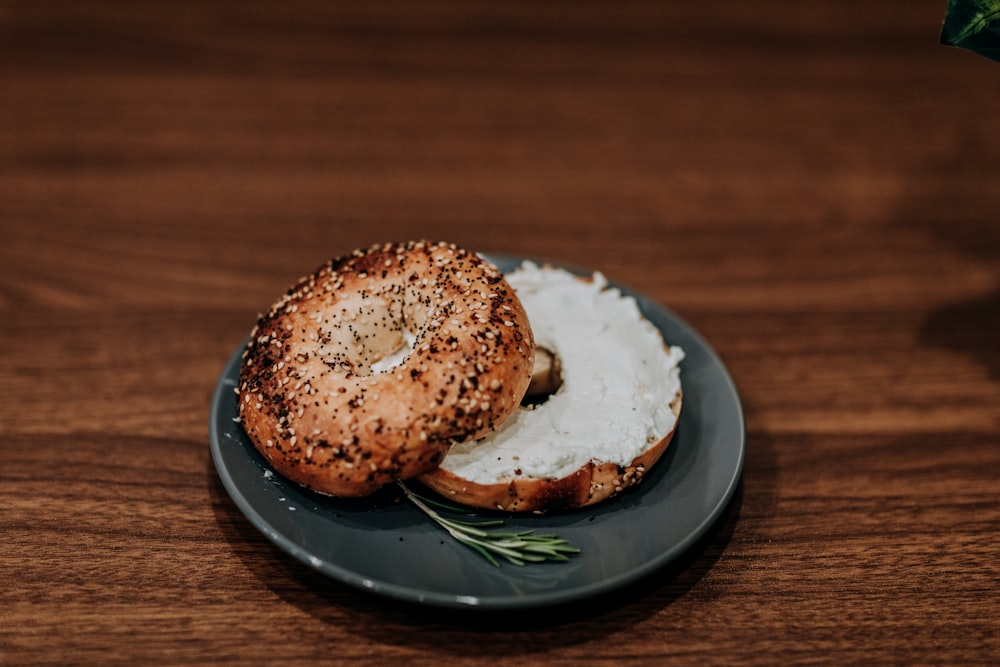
column 366, row 371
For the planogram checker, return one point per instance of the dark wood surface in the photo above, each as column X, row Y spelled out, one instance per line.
column 815, row 186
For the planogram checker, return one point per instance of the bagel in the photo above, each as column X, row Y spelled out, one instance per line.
column 366, row 371
column 602, row 430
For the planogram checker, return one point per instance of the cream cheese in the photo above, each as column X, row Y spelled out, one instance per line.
column 619, row 379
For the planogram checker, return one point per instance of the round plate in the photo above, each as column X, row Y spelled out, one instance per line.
column 388, row 547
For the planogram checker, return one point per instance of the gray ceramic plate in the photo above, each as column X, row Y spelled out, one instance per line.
column 389, row 548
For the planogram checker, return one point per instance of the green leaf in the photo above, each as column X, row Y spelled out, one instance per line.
column 517, row 548
column 973, row 25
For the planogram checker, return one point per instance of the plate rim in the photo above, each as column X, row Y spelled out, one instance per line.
column 455, row 601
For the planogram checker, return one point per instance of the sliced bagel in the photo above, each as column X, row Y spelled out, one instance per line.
column 608, row 423
column 367, row 370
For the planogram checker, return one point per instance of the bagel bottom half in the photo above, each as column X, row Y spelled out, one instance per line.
column 603, row 429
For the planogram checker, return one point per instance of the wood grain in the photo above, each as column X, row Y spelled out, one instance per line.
column 813, row 186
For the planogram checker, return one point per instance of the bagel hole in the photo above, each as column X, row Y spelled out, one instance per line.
column 395, row 357
column 546, row 378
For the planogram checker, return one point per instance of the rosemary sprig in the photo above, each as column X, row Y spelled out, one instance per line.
column 517, row 548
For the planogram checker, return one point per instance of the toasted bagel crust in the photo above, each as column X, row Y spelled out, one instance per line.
column 318, row 398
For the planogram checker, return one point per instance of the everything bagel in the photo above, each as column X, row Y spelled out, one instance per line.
column 366, row 371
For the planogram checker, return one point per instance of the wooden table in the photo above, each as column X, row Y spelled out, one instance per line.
column 814, row 186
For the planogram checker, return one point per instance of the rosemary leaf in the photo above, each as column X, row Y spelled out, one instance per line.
column 517, row 548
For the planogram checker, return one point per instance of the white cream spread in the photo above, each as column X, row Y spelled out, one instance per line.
column 619, row 379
